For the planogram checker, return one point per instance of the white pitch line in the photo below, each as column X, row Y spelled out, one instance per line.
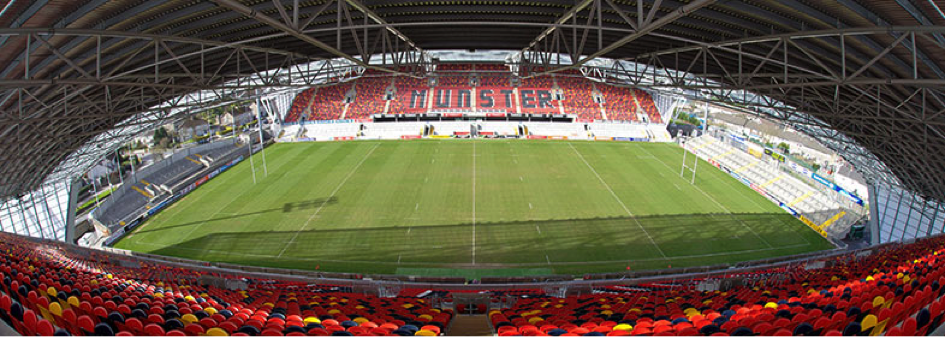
column 408, row 230
column 727, row 184
column 538, row 229
column 520, row 178
column 530, row 206
column 355, row 169
column 717, row 203
column 547, row 259
column 474, row 204
column 618, row 200
column 416, row 207
column 194, row 228
column 398, row 259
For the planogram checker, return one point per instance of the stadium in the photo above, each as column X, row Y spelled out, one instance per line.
column 501, row 168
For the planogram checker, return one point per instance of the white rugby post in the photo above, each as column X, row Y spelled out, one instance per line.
column 250, row 146
column 255, row 108
column 685, row 166
column 695, row 167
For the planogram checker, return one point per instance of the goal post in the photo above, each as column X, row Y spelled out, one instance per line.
column 686, row 166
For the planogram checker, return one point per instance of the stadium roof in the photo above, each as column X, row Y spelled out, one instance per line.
column 76, row 77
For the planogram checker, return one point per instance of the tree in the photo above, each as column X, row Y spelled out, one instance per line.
column 784, row 147
column 162, row 138
column 159, row 134
column 686, row 118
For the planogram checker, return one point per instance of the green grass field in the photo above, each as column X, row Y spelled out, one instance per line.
column 473, row 208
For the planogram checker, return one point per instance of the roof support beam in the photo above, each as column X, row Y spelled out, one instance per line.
column 379, row 20
column 640, row 32
column 563, row 19
column 249, row 12
column 919, row 16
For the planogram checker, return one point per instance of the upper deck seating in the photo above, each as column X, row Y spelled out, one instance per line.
column 329, row 102
column 299, row 104
column 579, row 97
column 370, row 98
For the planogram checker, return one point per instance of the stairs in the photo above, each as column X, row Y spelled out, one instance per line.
column 470, row 325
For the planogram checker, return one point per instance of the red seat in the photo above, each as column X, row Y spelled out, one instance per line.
column 44, row 328
column 271, row 332
column 194, row 329
column 154, row 330
column 86, row 324
column 895, row 331
column 782, row 332
column 175, row 333
column 909, row 326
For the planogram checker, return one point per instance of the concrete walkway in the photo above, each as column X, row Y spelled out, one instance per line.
column 466, row 325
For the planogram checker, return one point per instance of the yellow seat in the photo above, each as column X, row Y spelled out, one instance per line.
column 868, row 322
column 425, row 333
column 362, row 320
column 771, row 305
column 311, row 319
column 73, row 301
column 878, row 301
column 51, row 291
column 216, row 332
column 879, row 328
column 189, row 318
column 623, row 326
column 210, row 310
column 46, row 315
column 55, row 309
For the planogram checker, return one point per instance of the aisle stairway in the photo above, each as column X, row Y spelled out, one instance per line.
column 474, row 325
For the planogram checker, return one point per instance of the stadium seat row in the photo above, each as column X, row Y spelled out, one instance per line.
column 327, row 103
column 896, row 291
column 49, row 291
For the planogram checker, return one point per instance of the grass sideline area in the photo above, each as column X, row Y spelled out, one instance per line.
column 91, row 202
column 493, row 207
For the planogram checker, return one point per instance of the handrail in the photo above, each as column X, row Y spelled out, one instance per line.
column 344, row 279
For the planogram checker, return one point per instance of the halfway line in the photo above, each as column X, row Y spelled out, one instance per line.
column 474, row 204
